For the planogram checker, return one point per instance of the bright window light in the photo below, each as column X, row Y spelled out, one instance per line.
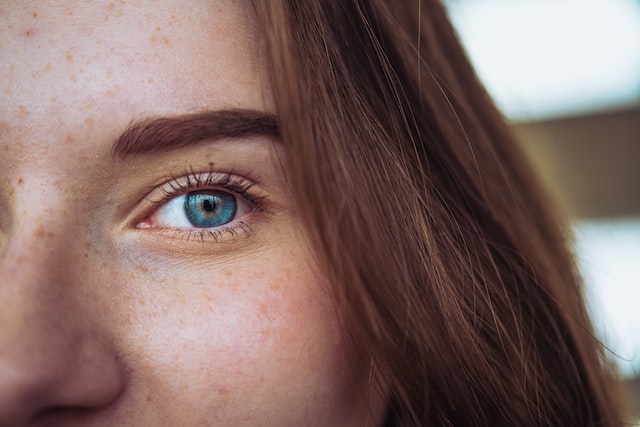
column 542, row 58
column 608, row 253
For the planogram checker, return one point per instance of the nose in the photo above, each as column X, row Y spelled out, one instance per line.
column 55, row 358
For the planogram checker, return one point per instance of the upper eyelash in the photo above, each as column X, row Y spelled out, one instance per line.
column 191, row 180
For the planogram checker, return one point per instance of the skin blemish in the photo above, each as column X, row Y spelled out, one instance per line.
column 115, row 9
column 20, row 181
column 149, row 79
column 29, row 33
column 41, row 233
column 69, row 140
column 88, row 121
column 69, row 57
column 228, row 273
column 155, row 37
column 34, row 14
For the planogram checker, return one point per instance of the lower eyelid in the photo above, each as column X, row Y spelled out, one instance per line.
column 225, row 234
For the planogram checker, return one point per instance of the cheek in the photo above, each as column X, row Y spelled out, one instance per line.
column 242, row 338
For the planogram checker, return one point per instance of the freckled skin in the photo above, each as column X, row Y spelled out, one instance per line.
column 104, row 323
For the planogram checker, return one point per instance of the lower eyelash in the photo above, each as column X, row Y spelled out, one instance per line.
column 216, row 234
column 205, row 235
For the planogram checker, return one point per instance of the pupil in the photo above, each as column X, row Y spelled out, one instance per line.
column 208, row 205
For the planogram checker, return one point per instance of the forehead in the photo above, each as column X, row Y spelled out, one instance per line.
column 62, row 58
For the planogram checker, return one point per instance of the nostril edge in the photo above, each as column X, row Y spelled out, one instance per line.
column 55, row 415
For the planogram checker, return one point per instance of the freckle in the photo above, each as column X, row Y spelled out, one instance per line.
column 34, row 14
column 158, row 28
column 166, row 41
column 69, row 140
column 142, row 268
column 73, row 78
column 228, row 273
column 22, row 111
column 20, row 181
column 69, row 58
column 109, row 74
column 149, row 79
column 88, row 121
column 29, row 33
column 153, row 38
column 41, row 233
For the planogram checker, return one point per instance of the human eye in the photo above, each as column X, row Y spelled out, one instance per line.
column 203, row 206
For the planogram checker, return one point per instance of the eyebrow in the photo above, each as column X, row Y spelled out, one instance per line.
column 165, row 134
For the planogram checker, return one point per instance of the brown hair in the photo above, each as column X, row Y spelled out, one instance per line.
column 452, row 266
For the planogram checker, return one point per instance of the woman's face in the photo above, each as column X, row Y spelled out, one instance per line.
column 160, row 275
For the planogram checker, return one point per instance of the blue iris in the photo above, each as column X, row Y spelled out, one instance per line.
column 206, row 209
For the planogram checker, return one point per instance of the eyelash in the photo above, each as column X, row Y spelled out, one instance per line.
column 191, row 181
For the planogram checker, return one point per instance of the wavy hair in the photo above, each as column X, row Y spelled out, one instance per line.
column 450, row 261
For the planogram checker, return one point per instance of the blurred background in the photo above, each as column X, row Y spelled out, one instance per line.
column 566, row 73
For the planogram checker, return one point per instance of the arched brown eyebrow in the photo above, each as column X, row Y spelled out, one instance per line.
column 164, row 134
